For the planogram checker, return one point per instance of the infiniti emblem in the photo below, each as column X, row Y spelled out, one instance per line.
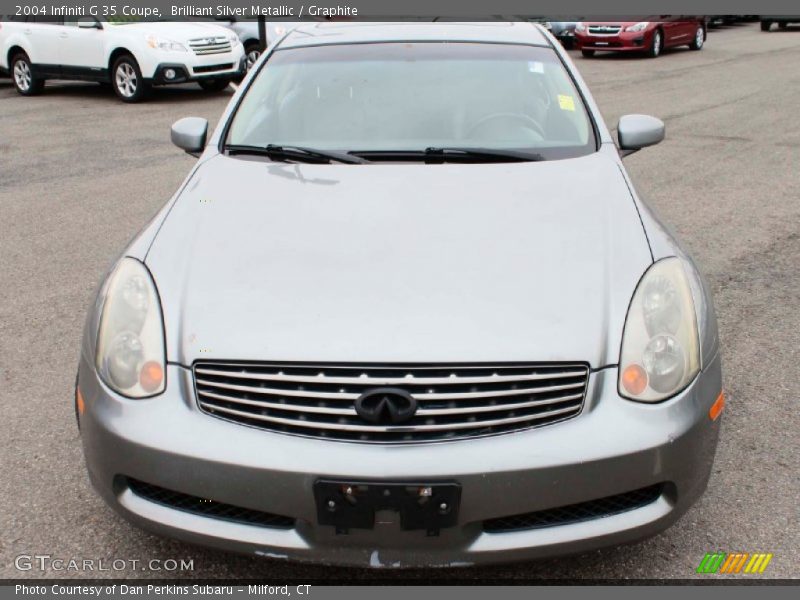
column 386, row 406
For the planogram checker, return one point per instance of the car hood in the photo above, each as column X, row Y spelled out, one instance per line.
column 399, row 263
column 621, row 23
column 176, row 31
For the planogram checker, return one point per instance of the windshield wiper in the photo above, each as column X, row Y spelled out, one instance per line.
column 452, row 154
column 299, row 153
column 490, row 153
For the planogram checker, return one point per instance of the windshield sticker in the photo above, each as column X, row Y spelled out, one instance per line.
column 535, row 66
column 566, row 102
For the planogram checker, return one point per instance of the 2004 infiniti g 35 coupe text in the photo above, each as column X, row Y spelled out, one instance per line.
column 407, row 309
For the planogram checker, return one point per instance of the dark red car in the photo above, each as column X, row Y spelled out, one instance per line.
column 648, row 37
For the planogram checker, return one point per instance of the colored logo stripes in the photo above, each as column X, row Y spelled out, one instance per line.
column 735, row 562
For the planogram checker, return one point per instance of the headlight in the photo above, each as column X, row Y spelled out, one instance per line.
column 130, row 342
column 162, row 44
column 638, row 27
column 580, row 27
column 660, row 346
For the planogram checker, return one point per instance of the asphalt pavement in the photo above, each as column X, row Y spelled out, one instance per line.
column 81, row 173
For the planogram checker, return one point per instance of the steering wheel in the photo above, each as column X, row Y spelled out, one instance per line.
column 525, row 120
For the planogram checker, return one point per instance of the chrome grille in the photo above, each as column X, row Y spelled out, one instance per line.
column 453, row 401
column 604, row 29
column 210, row 45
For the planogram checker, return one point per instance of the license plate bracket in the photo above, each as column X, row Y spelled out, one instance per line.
column 352, row 504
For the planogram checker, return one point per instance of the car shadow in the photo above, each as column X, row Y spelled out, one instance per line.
column 158, row 95
column 628, row 55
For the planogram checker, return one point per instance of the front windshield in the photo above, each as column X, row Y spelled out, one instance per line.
column 413, row 96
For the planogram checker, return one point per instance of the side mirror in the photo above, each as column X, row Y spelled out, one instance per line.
column 89, row 23
column 635, row 132
column 189, row 134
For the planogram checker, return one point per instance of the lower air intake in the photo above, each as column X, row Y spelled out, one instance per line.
column 576, row 513
column 208, row 508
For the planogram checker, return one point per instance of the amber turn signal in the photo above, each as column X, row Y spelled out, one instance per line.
column 151, row 376
column 716, row 409
column 80, row 405
column 634, row 379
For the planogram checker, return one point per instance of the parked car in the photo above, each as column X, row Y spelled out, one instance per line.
column 131, row 56
column 716, row 20
column 358, row 303
column 647, row 36
column 783, row 21
column 563, row 31
column 249, row 36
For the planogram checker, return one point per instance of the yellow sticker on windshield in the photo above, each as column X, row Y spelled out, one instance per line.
column 566, row 102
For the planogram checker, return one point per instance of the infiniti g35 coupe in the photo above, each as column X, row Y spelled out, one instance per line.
column 375, row 327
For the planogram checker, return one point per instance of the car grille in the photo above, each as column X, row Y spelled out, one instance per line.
column 575, row 513
column 212, row 68
column 453, row 401
column 604, row 29
column 207, row 508
column 210, row 45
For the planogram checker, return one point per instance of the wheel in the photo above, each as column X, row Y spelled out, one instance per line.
column 699, row 39
column 765, row 25
column 587, row 53
column 22, row 74
column 657, row 46
column 127, row 80
column 253, row 51
column 214, row 85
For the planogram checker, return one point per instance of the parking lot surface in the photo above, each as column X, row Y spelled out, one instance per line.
column 80, row 173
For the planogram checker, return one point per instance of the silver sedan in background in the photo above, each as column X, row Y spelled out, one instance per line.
column 406, row 310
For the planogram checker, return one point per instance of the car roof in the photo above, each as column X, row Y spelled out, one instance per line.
column 315, row 34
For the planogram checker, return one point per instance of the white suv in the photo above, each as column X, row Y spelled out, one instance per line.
column 131, row 56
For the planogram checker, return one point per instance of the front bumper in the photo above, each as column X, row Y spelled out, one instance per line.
column 224, row 67
column 625, row 41
column 566, row 37
column 613, row 446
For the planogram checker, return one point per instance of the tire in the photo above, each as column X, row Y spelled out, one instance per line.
column 699, row 39
column 214, row 85
column 22, row 75
column 587, row 53
column 657, row 46
column 127, row 80
column 765, row 25
column 252, row 51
